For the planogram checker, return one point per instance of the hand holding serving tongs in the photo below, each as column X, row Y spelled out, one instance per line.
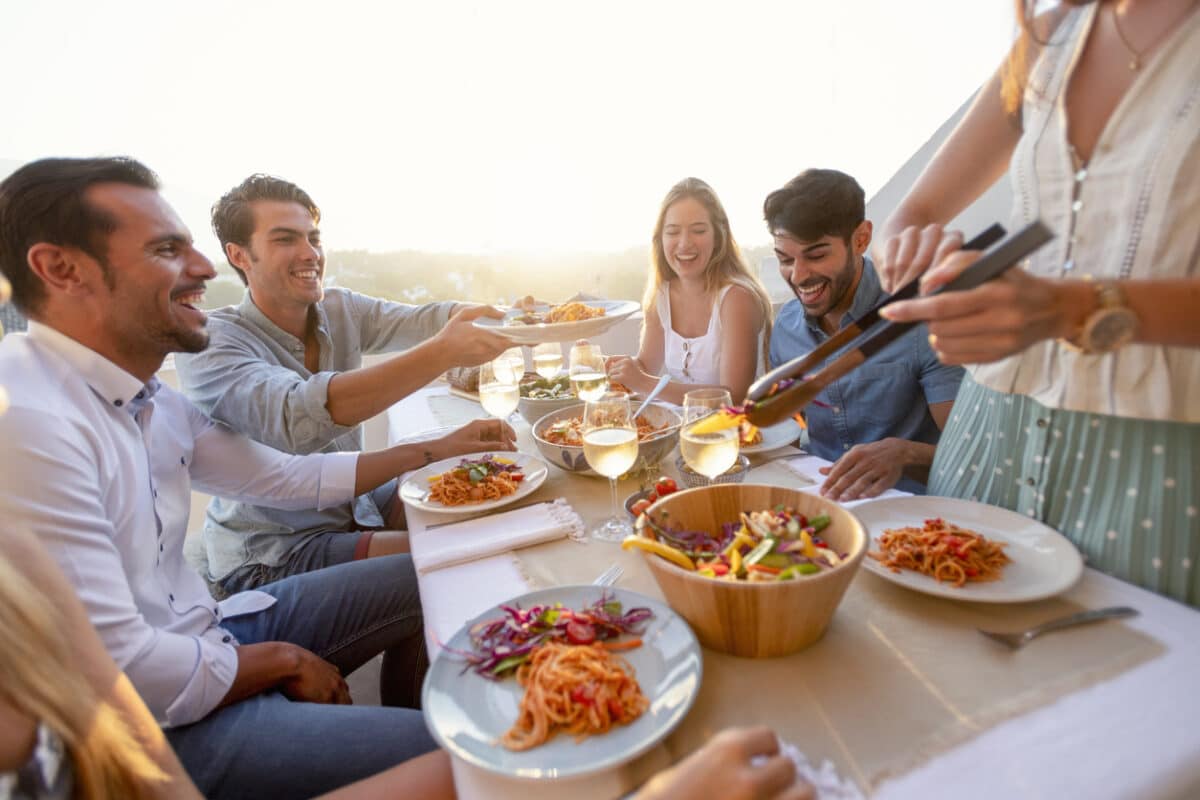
column 783, row 391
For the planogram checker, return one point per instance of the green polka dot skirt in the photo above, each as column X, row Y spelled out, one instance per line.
column 1123, row 490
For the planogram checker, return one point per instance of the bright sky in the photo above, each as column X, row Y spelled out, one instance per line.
column 507, row 125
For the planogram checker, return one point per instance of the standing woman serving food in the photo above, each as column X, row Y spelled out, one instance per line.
column 707, row 314
column 1081, row 409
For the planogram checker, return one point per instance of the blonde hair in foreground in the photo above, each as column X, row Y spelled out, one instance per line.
column 726, row 265
column 39, row 676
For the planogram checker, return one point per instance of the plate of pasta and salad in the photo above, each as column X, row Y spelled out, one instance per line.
column 564, row 322
column 966, row 550
column 474, row 482
column 562, row 682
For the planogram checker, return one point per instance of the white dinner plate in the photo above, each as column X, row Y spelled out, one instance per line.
column 1043, row 562
column 775, row 436
column 550, row 332
column 468, row 713
column 415, row 489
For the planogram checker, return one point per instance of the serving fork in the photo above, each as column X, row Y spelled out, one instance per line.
column 1018, row 640
column 609, row 576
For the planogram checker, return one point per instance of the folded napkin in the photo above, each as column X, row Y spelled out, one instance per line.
column 497, row 533
column 807, row 466
column 826, row 782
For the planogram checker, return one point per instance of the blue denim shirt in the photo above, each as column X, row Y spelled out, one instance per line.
column 252, row 378
column 889, row 396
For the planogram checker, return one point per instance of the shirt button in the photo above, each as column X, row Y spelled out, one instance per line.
column 171, row 597
column 1077, row 206
column 118, row 403
column 836, row 410
column 160, row 548
column 1041, row 423
column 226, row 639
column 1029, row 481
column 845, row 447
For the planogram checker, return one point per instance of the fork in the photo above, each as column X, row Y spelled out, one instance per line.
column 609, row 576
column 1016, row 641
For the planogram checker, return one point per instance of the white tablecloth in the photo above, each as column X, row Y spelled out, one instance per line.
column 1136, row 735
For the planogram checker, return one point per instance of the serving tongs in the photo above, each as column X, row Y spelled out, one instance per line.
column 784, row 391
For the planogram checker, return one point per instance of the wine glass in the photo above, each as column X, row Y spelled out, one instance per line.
column 499, row 381
column 610, row 445
column 588, row 376
column 709, row 454
column 547, row 359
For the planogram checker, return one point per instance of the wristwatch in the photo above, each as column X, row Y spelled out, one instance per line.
column 1111, row 324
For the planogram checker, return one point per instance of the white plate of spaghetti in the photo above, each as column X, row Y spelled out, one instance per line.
column 474, row 482
column 966, row 550
column 572, row 320
column 641, row 668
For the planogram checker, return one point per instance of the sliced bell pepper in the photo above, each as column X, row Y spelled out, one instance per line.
column 796, row 570
column 659, row 549
column 809, row 549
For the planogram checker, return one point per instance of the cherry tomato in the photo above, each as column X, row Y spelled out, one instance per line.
column 653, row 496
column 580, row 632
column 640, row 507
column 665, row 486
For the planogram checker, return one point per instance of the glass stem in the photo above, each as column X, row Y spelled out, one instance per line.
column 612, row 484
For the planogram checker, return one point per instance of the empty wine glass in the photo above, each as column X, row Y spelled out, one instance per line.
column 547, row 359
column 610, row 445
column 709, row 454
column 499, row 380
column 588, row 376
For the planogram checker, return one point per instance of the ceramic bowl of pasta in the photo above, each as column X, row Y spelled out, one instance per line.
column 559, row 437
column 757, row 571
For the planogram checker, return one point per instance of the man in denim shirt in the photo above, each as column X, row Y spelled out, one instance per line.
column 284, row 367
column 879, row 424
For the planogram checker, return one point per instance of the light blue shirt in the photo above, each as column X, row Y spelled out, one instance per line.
column 252, row 378
column 888, row 396
column 99, row 466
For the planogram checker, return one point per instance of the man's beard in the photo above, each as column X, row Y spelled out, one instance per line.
column 838, row 285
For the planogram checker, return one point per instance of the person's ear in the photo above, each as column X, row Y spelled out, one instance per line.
column 238, row 256
column 65, row 270
column 861, row 238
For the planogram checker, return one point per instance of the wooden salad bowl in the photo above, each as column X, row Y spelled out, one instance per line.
column 755, row 620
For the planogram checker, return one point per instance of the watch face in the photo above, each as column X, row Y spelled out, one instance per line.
column 1109, row 329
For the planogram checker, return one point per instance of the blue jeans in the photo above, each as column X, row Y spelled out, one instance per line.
column 269, row 746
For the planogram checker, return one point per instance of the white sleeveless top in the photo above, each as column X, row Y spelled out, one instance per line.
column 695, row 360
column 1140, row 202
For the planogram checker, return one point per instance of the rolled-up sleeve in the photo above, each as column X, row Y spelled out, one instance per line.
column 233, row 383
column 232, row 466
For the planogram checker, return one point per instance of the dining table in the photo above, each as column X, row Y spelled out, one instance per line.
column 902, row 696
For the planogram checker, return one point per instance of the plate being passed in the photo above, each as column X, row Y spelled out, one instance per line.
column 775, row 436
column 1043, row 563
column 468, row 713
column 415, row 489
column 550, row 332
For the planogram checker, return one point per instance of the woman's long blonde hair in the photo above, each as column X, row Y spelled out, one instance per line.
column 40, row 677
column 727, row 266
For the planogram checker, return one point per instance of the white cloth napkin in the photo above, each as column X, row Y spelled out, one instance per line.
column 498, row 533
column 807, row 466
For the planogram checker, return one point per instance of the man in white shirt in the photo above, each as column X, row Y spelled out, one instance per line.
column 97, row 459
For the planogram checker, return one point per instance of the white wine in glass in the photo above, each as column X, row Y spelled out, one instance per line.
column 547, row 359
column 610, row 446
column 498, row 386
column 709, row 454
column 588, row 376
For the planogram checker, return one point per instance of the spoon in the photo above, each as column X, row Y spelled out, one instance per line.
column 662, row 382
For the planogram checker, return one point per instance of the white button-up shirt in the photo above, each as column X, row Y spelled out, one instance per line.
column 100, row 467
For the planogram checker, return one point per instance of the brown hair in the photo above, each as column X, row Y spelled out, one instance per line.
column 726, row 265
column 44, row 201
column 1014, row 72
column 233, row 217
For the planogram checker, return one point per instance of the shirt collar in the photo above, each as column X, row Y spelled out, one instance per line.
column 866, row 296
column 252, row 312
column 113, row 384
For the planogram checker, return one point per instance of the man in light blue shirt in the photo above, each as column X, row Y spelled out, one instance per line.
column 284, row 368
column 881, row 423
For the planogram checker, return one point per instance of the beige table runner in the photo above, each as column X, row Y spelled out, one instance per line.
column 898, row 677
